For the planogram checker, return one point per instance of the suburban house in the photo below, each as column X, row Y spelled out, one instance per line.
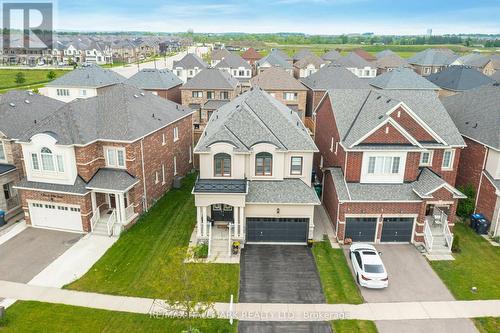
column 402, row 79
column 357, row 65
column 209, row 84
column 301, row 54
column 98, row 53
column 217, row 55
column 237, row 67
column 307, row 65
column 19, row 110
column 389, row 62
column 455, row 79
column 255, row 173
column 188, row 67
column 96, row 164
column 82, row 82
column 161, row 82
column 251, row 56
column 365, row 55
column 476, row 115
column 389, row 160
column 492, row 66
column 432, row 61
column 280, row 85
column 274, row 59
column 474, row 60
column 331, row 56
column 329, row 77
column 283, row 55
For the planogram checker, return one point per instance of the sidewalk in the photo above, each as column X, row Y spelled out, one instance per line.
column 262, row 312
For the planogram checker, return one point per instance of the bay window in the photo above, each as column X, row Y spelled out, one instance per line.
column 222, row 165
column 263, row 164
column 115, row 157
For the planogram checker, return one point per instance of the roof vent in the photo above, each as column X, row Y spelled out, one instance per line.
column 379, row 97
column 30, row 93
column 381, row 116
column 12, row 104
column 142, row 94
column 26, row 101
column 135, row 96
column 153, row 115
column 35, row 121
column 388, row 101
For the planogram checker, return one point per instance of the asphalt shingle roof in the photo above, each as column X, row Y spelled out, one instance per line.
column 391, row 61
column 189, row 61
column 301, row 54
column 276, row 79
column 255, row 117
column 151, row 78
column 353, row 60
column 274, row 60
column 472, row 59
column 334, row 77
column 214, row 104
column 251, row 54
column 4, row 168
column 433, row 57
column 21, row 110
column 476, row 113
column 79, row 187
column 219, row 54
column 385, row 53
column 402, row 78
column 112, row 179
column 233, row 61
column 281, row 191
column 311, row 59
column 91, row 76
column 122, row 112
column 331, row 55
column 459, row 78
column 212, row 78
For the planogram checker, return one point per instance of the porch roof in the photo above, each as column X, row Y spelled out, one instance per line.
column 77, row 188
column 286, row 191
column 5, row 168
column 112, row 179
column 220, row 186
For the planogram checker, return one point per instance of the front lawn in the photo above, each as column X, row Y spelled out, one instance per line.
column 487, row 324
column 47, row 317
column 32, row 77
column 336, row 278
column 354, row 326
column 477, row 265
column 135, row 265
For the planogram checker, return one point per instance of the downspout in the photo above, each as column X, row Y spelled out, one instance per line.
column 144, row 177
column 481, row 177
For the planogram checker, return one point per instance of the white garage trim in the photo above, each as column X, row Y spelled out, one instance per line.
column 61, row 217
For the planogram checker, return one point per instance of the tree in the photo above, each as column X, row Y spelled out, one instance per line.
column 465, row 207
column 187, row 291
column 51, row 75
column 20, row 78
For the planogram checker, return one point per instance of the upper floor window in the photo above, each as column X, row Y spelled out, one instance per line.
column 296, row 165
column 210, row 94
column 2, row 152
column 49, row 161
column 224, row 95
column 448, row 159
column 176, row 134
column 290, row 96
column 383, row 164
column 263, row 164
column 62, row 92
column 197, row 94
column 241, row 72
column 115, row 157
column 426, row 158
column 222, row 165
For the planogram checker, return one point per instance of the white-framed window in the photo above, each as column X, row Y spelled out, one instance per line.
column 115, row 157
column 384, row 164
column 163, row 174
column 296, row 165
column 383, row 167
column 290, row 96
column 62, row 92
column 176, row 134
column 426, row 158
column 427, row 70
column 157, row 177
column 45, row 160
column 83, row 92
column 175, row 165
column 224, row 95
column 197, row 94
column 448, row 156
column 3, row 155
column 210, row 94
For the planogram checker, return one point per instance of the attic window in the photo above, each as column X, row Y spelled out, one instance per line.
column 399, row 113
column 387, row 130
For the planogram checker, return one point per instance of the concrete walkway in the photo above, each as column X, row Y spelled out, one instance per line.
column 263, row 312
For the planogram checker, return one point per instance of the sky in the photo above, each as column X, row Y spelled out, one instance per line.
column 266, row 16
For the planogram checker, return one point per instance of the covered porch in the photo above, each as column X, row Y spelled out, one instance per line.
column 437, row 234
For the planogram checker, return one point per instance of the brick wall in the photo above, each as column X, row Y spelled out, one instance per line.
column 470, row 165
column 330, row 199
column 387, row 134
column 412, row 166
column 354, row 164
column 437, row 161
column 300, row 102
column 487, row 199
column 173, row 94
column 411, row 126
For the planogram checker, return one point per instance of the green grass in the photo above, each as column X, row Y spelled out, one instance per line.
column 354, row 326
column 135, row 264
column 33, row 77
column 46, row 317
column 336, row 278
column 487, row 324
column 478, row 264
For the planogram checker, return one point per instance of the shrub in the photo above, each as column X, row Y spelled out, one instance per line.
column 20, row 78
column 201, row 251
column 465, row 207
column 455, row 247
column 51, row 75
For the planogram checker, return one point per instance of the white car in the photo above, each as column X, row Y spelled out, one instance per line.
column 368, row 267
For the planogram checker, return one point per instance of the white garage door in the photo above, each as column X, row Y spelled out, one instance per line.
column 52, row 215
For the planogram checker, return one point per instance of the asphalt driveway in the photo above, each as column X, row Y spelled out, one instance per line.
column 411, row 278
column 28, row 253
column 279, row 274
column 283, row 327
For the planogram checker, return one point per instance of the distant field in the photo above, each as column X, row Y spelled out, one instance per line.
column 34, row 77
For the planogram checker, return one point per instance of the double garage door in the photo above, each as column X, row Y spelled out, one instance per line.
column 55, row 216
column 277, row 230
column 394, row 229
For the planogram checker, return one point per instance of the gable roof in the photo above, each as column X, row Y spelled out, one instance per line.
column 476, row 113
column 276, row 79
column 189, row 61
column 433, row 57
column 90, row 76
column 402, row 78
column 21, row 110
column 280, row 53
column 459, row 78
column 391, row 61
column 495, row 61
column 151, row 78
column 365, row 55
column 385, row 53
column 274, row 60
column 334, row 77
column 311, row 59
column 472, row 59
column 358, row 112
column 301, row 54
column 211, row 78
column 251, row 54
column 232, row 61
column 219, row 54
column 331, row 55
column 256, row 117
column 353, row 60
column 121, row 113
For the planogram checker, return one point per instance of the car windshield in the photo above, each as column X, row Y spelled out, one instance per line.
column 374, row 268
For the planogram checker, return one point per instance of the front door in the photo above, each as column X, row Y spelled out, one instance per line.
column 221, row 212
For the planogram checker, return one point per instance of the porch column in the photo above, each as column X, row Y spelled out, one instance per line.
column 242, row 222
column 204, row 221
column 117, row 209
column 198, row 221
column 236, row 214
column 94, row 201
column 122, row 208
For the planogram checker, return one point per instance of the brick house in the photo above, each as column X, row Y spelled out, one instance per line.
column 284, row 88
column 476, row 115
column 209, row 84
column 331, row 56
column 388, row 162
column 432, row 61
column 389, row 61
column 301, row 54
column 251, row 56
column 188, row 67
column 275, row 58
column 160, row 82
column 455, row 79
column 96, row 164
column 307, row 66
column 19, row 110
column 365, row 55
column 217, row 55
column 357, row 65
column 237, row 67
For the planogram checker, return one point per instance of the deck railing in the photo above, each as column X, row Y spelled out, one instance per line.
column 448, row 236
column 429, row 239
column 129, row 212
column 111, row 222
column 96, row 216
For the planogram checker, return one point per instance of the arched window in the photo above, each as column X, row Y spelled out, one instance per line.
column 264, row 164
column 50, row 162
column 222, row 165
